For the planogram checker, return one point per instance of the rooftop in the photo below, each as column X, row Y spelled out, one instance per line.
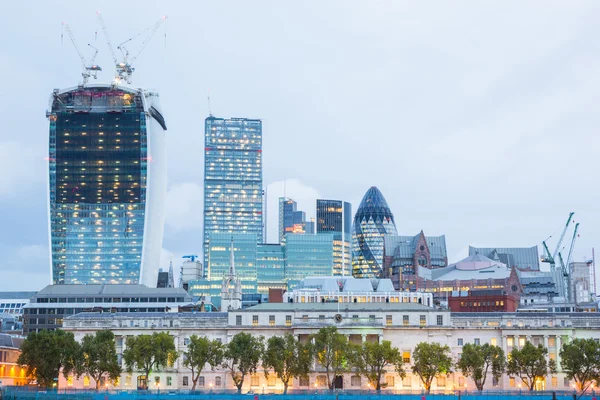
column 16, row 295
column 146, row 315
column 331, row 307
column 113, row 290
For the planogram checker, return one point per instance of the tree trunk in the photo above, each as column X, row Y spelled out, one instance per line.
column 378, row 386
column 97, row 383
column 285, row 387
column 194, row 381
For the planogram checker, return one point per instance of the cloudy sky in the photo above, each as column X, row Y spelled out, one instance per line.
column 478, row 120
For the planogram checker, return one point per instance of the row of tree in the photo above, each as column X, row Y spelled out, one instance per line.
column 45, row 354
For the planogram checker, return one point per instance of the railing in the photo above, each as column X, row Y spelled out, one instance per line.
column 34, row 393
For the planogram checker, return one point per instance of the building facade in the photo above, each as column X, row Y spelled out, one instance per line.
column 11, row 374
column 233, row 178
column 335, row 216
column 107, row 185
column 403, row 324
column 48, row 308
column 291, row 220
column 308, row 255
column 372, row 222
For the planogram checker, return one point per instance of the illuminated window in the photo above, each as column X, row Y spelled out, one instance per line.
column 288, row 320
column 388, row 320
column 254, row 380
column 511, row 382
column 271, row 320
column 406, row 357
column 389, row 380
column 255, row 320
column 510, row 342
column 521, row 341
column 405, row 320
column 86, row 381
column 441, row 381
column 422, row 320
column 493, row 341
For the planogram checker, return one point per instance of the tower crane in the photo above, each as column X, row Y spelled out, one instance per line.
column 91, row 69
column 123, row 66
column 551, row 258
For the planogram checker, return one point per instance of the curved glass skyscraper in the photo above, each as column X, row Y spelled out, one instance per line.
column 107, row 185
column 372, row 221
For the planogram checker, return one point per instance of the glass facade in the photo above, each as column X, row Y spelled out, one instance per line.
column 290, row 219
column 335, row 216
column 308, row 255
column 270, row 267
column 98, row 171
column 232, row 178
column 373, row 220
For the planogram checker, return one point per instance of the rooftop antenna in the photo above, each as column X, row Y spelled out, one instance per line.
column 210, row 114
column 89, row 70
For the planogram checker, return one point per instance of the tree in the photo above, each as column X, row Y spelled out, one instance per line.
column 371, row 360
column 99, row 357
column 580, row 359
column 242, row 356
column 202, row 351
column 431, row 360
column 287, row 357
column 45, row 353
column 476, row 361
column 529, row 364
column 330, row 350
column 149, row 352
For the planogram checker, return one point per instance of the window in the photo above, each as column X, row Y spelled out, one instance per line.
column 355, row 380
column 405, row 320
column 461, row 381
column 157, row 380
column 552, row 356
column 355, row 318
column 238, row 320
column 406, row 357
column 86, row 381
column 254, row 380
column 371, row 318
column 554, row 382
column 186, row 341
column 271, row 320
column 388, row 320
column 511, row 381
column 406, row 382
column 493, row 341
column 169, row 381
column 551, row 342
column 521, row 341
column 389, row 381
column 440, row 320
column 510, row 342
column 304, row 381
column 255, row 320
column 460, row 341
column 441, row 381
column 218, row 381
column 305, row 318
column 422, row 320
column 476, row 341
column 70, row 380
column 272, row 380
column 288, row 320
column 321, row 318
column 201, row 381
column 186, row 380
column 128, row 380
column 321, row 380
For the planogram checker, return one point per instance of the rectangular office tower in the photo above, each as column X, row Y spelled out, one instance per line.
column 335, row 216
column 232, row 178
column 290, row 219
column 107, row 185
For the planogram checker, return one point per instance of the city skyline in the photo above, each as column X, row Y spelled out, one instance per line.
column 491, row 129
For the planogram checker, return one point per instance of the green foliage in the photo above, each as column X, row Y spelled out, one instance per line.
column 147, row 352
column 288, row 358
column 431, row 360
column 242, row 356
column 330, row 350
column 99, row 357
column 202, row 351
column 371, row 360
column 580, row 359
column 529, row 364
column 476, row 361
column 43, row 354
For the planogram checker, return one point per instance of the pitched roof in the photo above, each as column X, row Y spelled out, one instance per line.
column 521, row 257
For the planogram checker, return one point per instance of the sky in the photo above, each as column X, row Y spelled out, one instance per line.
column 477, row 120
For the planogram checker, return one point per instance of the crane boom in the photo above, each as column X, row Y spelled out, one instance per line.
column 150, row 35
column 108, row 42
column 88, row 70
column 72, row 37
column 570, row 256
column 562, row 236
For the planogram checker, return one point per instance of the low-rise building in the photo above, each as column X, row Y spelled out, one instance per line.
column 11, row 374
column 403, row 324
column 483, row 301
column 51, row 305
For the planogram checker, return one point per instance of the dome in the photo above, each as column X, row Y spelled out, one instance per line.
column 372, row 221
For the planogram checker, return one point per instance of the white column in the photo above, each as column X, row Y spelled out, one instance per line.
column 558, row 345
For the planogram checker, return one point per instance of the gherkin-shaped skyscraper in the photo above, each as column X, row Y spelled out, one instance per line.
column 372, row 221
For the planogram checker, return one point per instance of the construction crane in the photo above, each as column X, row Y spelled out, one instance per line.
column 575, row 236
column 551, row 258
column 89, row 70
column 123, row 66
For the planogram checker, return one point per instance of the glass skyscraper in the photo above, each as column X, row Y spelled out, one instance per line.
column 232, row 178
column 107, row 185
column 335, row 216
column 373, row 220
column 308, row 255
column 290, row 219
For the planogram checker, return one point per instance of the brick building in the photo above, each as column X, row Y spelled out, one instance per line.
column 483, row 301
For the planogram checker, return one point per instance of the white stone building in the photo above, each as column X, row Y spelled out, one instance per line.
column 404, row 324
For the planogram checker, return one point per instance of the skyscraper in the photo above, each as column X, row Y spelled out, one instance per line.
column 373, row 220
column 232, row 178
column 335, row 216
column 290, row 219
column 107, row 185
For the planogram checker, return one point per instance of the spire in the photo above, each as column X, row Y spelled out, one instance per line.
column 231, row 260
column 171, row 282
